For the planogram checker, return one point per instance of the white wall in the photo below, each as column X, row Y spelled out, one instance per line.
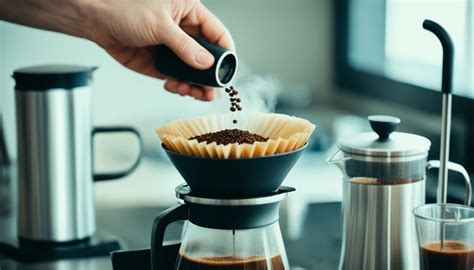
column 288, row 39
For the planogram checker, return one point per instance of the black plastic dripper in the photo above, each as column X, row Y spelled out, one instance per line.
column 234, row 178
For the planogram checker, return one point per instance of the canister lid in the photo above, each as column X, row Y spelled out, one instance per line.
column 45, row 77
column 383, row 142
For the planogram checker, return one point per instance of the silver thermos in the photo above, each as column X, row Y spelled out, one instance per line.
column 384, row 175
column 55, row 175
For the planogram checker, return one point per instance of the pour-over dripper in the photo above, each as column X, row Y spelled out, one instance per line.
column 285, row 134
column 234, row 178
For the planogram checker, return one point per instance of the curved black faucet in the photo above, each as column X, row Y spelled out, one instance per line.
column 448, row 54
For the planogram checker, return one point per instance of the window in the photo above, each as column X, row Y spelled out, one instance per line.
column 386, row 38
column 383, row 52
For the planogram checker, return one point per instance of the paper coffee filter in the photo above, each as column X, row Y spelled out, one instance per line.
column 285, row 133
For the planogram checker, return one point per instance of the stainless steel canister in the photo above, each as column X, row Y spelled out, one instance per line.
column 54, row 131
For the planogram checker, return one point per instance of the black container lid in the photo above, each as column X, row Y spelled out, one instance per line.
column 46, row 77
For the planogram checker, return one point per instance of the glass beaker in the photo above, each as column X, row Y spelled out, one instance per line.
column 445, row 236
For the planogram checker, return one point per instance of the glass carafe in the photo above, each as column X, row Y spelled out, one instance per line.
column 222, row 233
column 257, row 248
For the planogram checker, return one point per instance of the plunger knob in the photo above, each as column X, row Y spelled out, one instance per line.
column 383, row 125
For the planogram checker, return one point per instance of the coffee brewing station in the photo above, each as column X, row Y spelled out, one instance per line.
column 384, row 175
column 229, row 202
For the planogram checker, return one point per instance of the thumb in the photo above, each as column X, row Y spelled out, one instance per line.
column 186, row 48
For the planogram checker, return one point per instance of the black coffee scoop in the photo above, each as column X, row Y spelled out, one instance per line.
column 220, row 74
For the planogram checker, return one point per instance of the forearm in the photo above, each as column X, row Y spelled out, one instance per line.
column 65, row 16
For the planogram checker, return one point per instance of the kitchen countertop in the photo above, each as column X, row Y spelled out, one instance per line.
column 317, row 249
column 126, row 208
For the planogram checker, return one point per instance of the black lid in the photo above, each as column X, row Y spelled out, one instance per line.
column 45, row 77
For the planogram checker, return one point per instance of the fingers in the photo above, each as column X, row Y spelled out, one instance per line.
column 186, row 47
column 138, row 59
column 213, row 29
column 208, row 93
column 186, row 89
column 141, row 60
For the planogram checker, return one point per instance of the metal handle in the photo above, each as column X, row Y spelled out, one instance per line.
column 456, row 168
column 157, row 254
column 110, row 176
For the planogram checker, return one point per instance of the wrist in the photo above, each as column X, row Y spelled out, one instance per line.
column 70, row 17
column 66, row 16
column 90, row 10
column 79, row 17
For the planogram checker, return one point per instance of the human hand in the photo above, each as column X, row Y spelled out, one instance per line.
column 129, row 29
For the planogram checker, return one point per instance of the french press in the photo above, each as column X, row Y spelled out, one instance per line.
column 384, row 178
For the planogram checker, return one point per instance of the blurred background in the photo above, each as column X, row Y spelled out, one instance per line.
column 332, row 62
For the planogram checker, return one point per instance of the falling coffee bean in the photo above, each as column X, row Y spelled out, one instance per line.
column 234, row 101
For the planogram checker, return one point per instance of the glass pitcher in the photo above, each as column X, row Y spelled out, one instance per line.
column 258, row 248
column 222, row 233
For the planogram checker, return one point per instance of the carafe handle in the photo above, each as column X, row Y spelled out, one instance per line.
column 176, row 212
column 456, row 168
column 115, row 175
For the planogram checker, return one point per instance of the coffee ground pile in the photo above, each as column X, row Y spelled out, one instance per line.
column 229, row 136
